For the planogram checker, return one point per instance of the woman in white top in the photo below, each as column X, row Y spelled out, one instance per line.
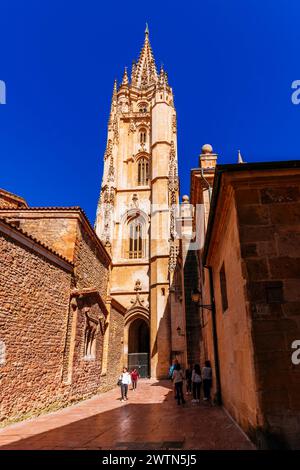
column 178, row 382
column 125, row 380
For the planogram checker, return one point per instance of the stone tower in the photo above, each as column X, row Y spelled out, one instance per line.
column 137, row 213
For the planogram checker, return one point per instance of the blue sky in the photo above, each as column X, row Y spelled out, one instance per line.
column 231, row 65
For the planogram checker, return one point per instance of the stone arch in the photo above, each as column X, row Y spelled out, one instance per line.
column 137, row 337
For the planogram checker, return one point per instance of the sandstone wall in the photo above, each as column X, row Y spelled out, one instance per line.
column 269, row 220
column 115, row 351
column 234, row 338
column 90, row 271
column 34, row 300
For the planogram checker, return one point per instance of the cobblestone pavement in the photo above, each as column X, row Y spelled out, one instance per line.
column 150, row 419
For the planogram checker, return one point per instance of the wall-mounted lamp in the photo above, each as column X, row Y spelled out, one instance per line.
column 196, row 298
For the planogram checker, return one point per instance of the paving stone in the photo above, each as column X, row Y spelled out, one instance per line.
column 150, row 419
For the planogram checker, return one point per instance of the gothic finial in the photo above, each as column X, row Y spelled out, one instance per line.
column 240, row 158
column 125, row 77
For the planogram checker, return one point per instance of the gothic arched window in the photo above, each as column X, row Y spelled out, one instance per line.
column 135, row 239
column 143, row 136
column 143, row 171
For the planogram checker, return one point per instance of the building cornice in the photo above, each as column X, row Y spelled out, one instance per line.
column 85, row 292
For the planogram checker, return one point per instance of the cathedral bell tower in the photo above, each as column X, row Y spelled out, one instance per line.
column 136, row 216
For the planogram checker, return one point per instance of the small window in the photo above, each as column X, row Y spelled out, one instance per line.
column 143, row 108
column 223, row 288
column 143, row 136
column 90, row 339
column 143, row 171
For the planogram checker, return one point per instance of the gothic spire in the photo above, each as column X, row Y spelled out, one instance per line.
column 145, row 72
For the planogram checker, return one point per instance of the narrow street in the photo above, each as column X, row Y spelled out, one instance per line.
column 150, row 419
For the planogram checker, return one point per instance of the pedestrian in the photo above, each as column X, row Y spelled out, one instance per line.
column 207, row 380
column 125, row 380
column 134, row 378
column 171, row 368
column 196, row 380
column 188, row 378
column 178, row 378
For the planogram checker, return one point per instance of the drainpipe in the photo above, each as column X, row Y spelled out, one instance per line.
column 215, row 336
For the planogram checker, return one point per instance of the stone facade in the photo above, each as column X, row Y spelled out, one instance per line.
column 115, row 359
column 34, row 299
column 63, row 276
column 252, row 252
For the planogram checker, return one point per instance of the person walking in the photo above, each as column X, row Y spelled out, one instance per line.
column 125, row 380
column 134, row 378
column 196, row 381
column 207, row 380
column 171, row 368
column 188, row 378
column 178, row 378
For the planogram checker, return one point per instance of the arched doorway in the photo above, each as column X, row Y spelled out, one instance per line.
column 139, row 346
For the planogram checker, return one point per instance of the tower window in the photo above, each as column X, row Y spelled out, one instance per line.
column 143, row 171
column 143, row 108
column 135, row 239
column 143, row 136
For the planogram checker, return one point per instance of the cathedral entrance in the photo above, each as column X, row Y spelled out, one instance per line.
column 138, row 347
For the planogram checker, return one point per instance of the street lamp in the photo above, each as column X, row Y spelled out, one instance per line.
column 196, row 298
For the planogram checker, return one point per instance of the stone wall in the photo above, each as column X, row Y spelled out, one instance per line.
column 59, row 233
column 269, row 225
column 115, row 350
column 11, row 201
column 234, row 336
column 34, row 301
column 46, row 313
column 85, row 371
column 90, row 270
